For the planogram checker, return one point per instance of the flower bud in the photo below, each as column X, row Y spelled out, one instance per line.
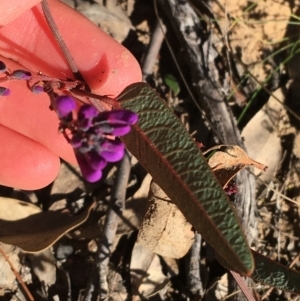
column 112, row 150
column 65, row 105
column 87, row 111
column 85, row 115
column 37, row 89
column 21, row 74
column 4, row 91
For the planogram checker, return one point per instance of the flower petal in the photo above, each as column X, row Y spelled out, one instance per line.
column 112, row 145
column 90, row 174
column 95, row 161
column 122, row 116
column 113, row 156
column 112, row 150
column 114, row 129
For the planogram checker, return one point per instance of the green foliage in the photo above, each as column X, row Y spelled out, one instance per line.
column 172, row 83
column 269, row 272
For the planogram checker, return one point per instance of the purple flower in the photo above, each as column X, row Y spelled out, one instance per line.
column 89, row 131
column 113, row 129
column 95, row 161
column 93, row 148
column 118, row 116
column 116, row 122
column 112, row 150
column 90, row 174
column 21, row 74
column 87, row 111
column 4, row 91
column 86, row 114
column 65, row 105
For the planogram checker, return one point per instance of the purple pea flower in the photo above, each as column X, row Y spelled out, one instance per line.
column 90, row 174
column 91, row 134
column 86, row 114
column 112, row 150
column 95, row 161
column 116, row 122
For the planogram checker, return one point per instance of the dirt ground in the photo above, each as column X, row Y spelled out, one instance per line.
column 257, row 45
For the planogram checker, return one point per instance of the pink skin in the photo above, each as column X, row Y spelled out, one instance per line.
column 30, row 143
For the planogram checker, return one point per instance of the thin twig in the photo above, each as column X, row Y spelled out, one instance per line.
column 18, row 276
column 61, row 43
column 112, row 220
column 69, row 295
column 194, row 284
column 58, row 37
column 157, row 38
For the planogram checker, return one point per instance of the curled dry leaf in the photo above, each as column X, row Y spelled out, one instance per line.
column 25, row 226
column 228, row 160
column 165, row 230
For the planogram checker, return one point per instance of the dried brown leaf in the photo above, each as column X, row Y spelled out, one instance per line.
column 165, row 230
column 23, row 225
column 228, row 160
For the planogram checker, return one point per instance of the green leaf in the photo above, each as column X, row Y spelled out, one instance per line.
column 272, row 273
column 169, row 154
column 172, row 83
